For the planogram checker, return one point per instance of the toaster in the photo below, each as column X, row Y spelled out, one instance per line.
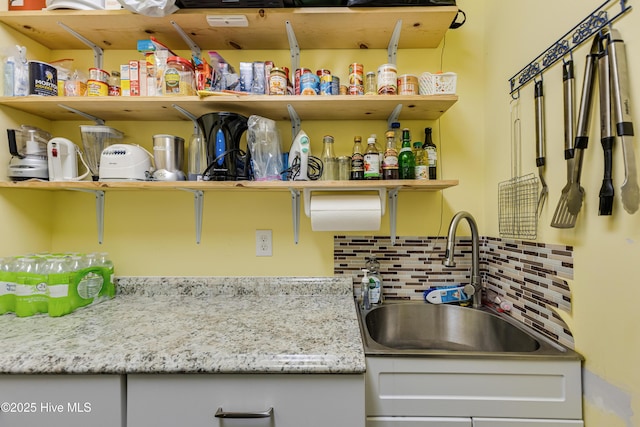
column 125, row 162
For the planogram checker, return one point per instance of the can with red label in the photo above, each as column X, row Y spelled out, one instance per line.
column 356, row 79
column 296, row 83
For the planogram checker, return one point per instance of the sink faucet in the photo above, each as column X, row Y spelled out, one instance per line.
column 475, row 287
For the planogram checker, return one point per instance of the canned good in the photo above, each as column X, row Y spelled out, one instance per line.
column 335, row 85
column 97, row 88
column 356, row 79
column 387, row 79
column 309, row 84
column 98, row 74
column 277, row 82
column 299, row 73
column 326, row 81
column 268, row 66
column 408, row 85
column 323, row 72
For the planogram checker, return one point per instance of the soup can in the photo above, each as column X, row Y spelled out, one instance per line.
column 408, row 85
column 326, row 82
column 43, row 79
column 309, row 84
column 356, row 79
column 387, row 79
column 97, row 88
column 298, row 74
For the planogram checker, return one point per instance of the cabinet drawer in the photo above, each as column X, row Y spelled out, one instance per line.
column 62, row 400
column 418, row 422
column 297, row 400
column 521, row 422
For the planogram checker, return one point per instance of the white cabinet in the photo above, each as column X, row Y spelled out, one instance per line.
column 312, row 400
column 62, row 400
column 418, row 422
column 401, row 391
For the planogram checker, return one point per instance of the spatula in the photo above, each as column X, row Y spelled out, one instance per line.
column 562, row 218
column 606, row 132
column 629, row 191
column 576, row 192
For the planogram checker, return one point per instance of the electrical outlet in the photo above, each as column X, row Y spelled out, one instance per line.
column 264, row 243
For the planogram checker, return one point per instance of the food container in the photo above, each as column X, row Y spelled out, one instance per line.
column 277, row 81
column 437, row 84
column 179, row 77
column 43, row 79
column 97, row 88
column 408, row 85
column 387, row 79
column 356, row 79
column 99, row 75
column 309, row 84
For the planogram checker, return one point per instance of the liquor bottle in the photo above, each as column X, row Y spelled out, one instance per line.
column 406, row 159
column 357, row 159
column 329, row 160
column 432, row 154
column 372, row 160
column 390, row 159
column 422, row 166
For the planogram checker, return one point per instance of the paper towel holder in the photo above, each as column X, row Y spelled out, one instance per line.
column 307, row 196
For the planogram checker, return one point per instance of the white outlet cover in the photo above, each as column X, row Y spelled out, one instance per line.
column 264, row 243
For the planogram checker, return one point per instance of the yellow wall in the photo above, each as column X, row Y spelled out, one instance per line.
column 152, row 233
column 606, row 249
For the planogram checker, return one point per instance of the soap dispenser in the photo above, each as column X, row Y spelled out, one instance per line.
column 375, row 291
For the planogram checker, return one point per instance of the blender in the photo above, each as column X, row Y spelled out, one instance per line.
column 95, row 139
column 28, row 148
column 168, row 155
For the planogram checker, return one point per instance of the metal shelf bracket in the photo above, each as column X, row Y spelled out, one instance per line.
column 198, row 205
column 99, row 194
column 295, row 213
column 196, row 52
column 98, row 53
column 294, row 48
column 393, row 117
column 295, row 121
column 392, row 49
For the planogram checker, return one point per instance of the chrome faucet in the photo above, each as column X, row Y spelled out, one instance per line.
column 475, row 287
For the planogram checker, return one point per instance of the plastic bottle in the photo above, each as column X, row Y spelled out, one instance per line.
column 422, row 167
column 197, row 161
column 364, row 289
column 375, row 280
column 372, row 160
column 432, row 154
column 390, row 160
column 7, row 286
column 329, row 160
column 357, row 159
column 406, row 159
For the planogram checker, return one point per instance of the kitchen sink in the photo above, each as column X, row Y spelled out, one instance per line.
column 418, row 328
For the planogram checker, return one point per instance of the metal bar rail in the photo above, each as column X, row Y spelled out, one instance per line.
column 590, row 25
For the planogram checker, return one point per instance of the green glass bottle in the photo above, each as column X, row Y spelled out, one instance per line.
column 406, row 159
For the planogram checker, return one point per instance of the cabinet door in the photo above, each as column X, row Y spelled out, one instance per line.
column 418, row 422
column 522, row 422
column 297, row 400
column 62, row 400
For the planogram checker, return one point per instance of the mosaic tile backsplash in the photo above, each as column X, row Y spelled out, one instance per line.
column 530, row 275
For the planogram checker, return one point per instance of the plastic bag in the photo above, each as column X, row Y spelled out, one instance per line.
column 264, row 143
column 155, row 8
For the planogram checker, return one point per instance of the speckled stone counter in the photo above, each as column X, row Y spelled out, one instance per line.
column 195, row 324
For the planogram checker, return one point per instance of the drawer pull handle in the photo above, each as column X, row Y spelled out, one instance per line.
column 265, row 414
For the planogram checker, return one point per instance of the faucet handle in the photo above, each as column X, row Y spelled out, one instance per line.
column 469, row 289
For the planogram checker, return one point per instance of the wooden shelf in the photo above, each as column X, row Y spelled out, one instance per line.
column 315, row 27
column 415, row 185
column 335, row 107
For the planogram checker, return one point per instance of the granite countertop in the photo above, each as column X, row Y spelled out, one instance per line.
column 195, row 325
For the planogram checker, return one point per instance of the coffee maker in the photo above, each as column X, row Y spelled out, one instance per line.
column 226, row 161
column 28, row 148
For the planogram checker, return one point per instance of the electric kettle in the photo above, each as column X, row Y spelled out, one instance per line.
column 226, row 161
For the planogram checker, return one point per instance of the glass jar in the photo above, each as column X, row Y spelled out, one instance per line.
column 179, row 77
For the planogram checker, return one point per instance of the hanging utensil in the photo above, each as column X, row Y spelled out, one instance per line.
column 629, row 191
column 606, row 132
column 576, row 192
column 562, row 218
column 540, row 143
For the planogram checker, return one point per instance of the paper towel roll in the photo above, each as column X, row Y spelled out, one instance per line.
column 345, row 213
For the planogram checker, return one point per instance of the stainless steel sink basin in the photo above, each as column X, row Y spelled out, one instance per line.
column 411, row 328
